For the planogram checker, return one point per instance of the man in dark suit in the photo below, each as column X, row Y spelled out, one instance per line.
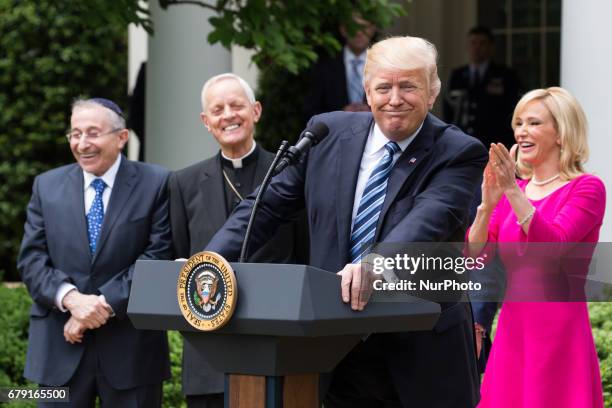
column 480, row 96
column 87, row 223
column 336, row 82
column 396, row 175
column 203, row 195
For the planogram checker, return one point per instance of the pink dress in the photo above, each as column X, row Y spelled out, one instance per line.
column 543, row 353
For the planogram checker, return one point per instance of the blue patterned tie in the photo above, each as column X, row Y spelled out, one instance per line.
column 95, row 215
column 371, row 204
column 356, row 83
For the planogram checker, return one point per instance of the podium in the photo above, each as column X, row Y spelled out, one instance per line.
column 289, row 325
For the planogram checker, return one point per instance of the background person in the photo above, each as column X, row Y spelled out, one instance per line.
column 203, row 195
column 336, row 83
column 87, row 224
column 480, row 96
column 543, row 354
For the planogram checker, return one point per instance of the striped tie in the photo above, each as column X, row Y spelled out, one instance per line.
column 356, row 91
column 371, row 204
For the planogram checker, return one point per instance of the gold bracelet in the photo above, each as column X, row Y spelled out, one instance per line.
column 527, row 217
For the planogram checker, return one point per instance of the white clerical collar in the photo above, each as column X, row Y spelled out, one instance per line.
column 379, row 140
column 237, row 163
column 108, row 177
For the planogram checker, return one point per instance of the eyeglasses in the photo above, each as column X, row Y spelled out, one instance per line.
column 91, row 135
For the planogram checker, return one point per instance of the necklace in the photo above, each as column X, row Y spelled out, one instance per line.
column 231, row 185
column 544, row 182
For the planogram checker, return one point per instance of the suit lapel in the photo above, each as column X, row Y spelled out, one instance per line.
column 261, row 168
column 403, row 168
column 122, row 189
column 351, row 145
column 75, row 196
column 212, row 184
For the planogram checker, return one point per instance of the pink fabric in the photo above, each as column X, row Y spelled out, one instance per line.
column 543, row 353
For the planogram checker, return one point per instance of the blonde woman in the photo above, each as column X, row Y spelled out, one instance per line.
column 543, row 354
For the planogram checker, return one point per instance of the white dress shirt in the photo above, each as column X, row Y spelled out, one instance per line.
column 89, row 196
column 348, row 66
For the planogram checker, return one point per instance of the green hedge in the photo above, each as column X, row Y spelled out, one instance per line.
column 601, row 321
column 49, row 55
column 15, row 306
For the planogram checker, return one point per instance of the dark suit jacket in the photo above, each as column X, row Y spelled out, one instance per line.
column 197, row 212
column 327, row 89
column 489, row 106
column 429, row 192
column 55, row 250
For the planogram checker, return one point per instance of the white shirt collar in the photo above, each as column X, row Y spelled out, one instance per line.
column 237, row 163
column 349, row 56
column 108, row 177
column 481, row 68
column 379, row 140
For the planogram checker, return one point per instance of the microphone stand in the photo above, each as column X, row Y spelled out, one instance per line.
column 282, row 151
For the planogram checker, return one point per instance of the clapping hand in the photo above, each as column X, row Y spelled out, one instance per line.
column 504, row 165
column 491, row 192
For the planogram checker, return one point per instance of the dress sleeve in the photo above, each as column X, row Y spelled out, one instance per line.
column 583, row 211
column 488, row 251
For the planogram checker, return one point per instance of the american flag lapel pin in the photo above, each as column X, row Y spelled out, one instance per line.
column 413, row 160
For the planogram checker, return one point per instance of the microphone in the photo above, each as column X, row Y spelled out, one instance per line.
column 309, row 137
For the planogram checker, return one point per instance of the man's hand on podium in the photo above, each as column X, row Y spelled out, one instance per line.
column 356, row 285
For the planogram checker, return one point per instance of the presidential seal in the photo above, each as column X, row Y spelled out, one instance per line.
column 207, row 291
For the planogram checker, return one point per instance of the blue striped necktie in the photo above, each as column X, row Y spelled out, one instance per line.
column 371, row 203
column 95, row 215
column 356, row 91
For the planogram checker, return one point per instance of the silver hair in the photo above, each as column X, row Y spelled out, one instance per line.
column 116, row 121
column 245, row 86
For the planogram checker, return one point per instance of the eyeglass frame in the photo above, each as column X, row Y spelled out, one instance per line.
column 88, row 137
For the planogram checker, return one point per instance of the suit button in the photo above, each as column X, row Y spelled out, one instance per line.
column 238, row 185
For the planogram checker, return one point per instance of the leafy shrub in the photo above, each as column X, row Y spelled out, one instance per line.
column 15, row 305
column 52, row 52
column 601, row 321
column 173, row 398
column 281, row 95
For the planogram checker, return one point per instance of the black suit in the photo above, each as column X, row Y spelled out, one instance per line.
column 197, row 211
column 327, row 87
column 486, row 107
column 429, row 192
column 55, row 250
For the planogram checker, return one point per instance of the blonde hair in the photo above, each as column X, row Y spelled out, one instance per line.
column 404, row 53
column 571, row 125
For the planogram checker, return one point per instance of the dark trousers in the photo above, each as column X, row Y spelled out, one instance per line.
column 362, row 379
column 88, row 382
column 421, row 369
column 205, row 401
